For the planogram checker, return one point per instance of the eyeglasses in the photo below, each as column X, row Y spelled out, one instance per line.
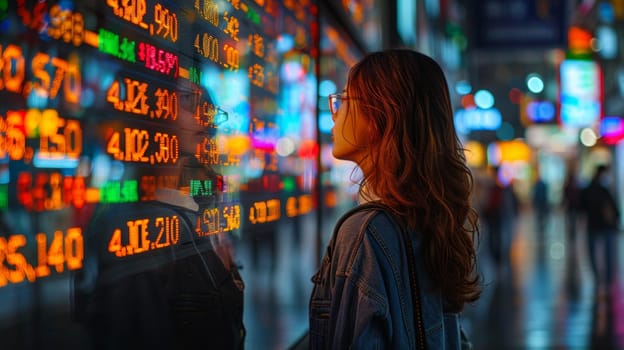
column 335, row 101
column 210, row 115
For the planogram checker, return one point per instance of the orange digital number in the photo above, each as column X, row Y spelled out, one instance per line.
column 231, row 26
column 3, row 270
column 66, row 25
column 208, row 46
column 66, row 74
column 166, row 104
column 231, row 214
column 265, row 211
column 55, row 143
column 130, row 10
column 208, row 10
column 135, row 144
column 256, row 75
column 291, row 207
column 66, row 249
column 169, row 232
column 135, row 100
column 13, row 257
column 256, row 41
column 13, row 68
column 138, row 236
column 232, row 60
column 299, row 205
column 38, row 64
column 167, row 23
column 168, row 148
column 112, row 96
column 137, row 141
column 14, row 139
column 206, row 152
column 209, row 223
column 115, row 243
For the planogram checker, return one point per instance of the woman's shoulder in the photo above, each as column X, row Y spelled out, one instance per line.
column 364, row 216
column 361, row 225
column 351, row 227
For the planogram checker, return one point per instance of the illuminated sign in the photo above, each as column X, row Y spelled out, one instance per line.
column 475, row 154
column 580, row 93
column 612, row 130
column 579, row 41
column 508, row 151
column 470, row 119
column 540, row 111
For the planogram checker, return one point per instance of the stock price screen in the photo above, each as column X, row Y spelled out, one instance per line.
column 137, row 137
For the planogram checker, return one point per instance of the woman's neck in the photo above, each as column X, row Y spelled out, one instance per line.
column 366, row 195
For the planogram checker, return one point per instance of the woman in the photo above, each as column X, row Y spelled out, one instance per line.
column 394, row 120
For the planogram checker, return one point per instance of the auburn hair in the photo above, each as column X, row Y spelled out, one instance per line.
column 415, row 163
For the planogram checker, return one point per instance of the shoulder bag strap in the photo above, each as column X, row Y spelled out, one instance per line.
column 418, row 319
column 411, row 263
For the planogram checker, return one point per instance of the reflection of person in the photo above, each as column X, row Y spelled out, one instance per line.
column 182, row 290
column 394, row 119
column 602, row 220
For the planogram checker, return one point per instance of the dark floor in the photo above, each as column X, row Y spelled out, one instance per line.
column 544, row 298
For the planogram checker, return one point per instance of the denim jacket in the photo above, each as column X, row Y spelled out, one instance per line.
column 362, row 296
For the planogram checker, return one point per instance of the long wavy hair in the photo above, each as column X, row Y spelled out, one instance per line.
column 415, row 163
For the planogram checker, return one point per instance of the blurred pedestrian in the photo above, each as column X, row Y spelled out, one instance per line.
column 394, row 119
column 541, row 207
column 493, row 218
column 602, row 220
column 499, row 213
column 571, row 204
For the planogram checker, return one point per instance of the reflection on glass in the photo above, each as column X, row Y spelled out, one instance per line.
column 157, row 161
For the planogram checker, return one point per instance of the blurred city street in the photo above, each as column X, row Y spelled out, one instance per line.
column 545, row 298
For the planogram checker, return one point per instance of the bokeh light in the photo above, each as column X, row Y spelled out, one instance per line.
column 484, row 99
column 588, row 137
column 463, row 87
column 535, row 84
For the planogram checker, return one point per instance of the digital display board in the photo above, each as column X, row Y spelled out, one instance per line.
column 149, row 150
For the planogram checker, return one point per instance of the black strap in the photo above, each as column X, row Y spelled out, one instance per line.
column 411, row 263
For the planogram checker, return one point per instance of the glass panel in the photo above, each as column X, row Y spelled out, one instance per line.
column 158, row 164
